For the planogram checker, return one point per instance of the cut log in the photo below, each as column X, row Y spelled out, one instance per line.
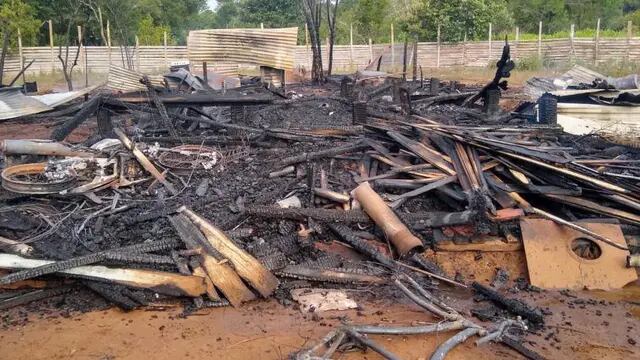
column 248, row 267
column 218, row 272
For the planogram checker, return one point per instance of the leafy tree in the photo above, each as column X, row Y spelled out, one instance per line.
column 458, row 18
column 273, row 13
column 528, row 13
column 585, row 13
column 152, row 34
column 14, row 15
column 370, row 18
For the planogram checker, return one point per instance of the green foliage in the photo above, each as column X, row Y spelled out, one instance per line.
column 14, row 15
column 585, row 13
column 369, row 18
column 152, row 34
column 531, row 64
column 458, row 18
column 528, row 13
column 273, row 13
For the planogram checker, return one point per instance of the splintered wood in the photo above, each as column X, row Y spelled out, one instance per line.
column 248, row 267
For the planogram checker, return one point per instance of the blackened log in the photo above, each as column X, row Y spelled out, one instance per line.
column 515, row 306
column 322, row 154
column 520, row 348
column 67, row 128
column 362, row 246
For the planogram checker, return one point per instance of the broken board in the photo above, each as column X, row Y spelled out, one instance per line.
column 553, row 264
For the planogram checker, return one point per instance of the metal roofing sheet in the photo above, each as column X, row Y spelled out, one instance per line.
column 13, row 104
column 57, row 99
column 128, row 80
column 269, row 47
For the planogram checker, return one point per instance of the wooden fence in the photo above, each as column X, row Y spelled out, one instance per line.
column 154, row 59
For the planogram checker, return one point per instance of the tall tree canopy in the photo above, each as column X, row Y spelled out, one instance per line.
column 458, row 18
column 149, row 19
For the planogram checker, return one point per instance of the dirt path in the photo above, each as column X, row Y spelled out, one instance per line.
column 588, row 326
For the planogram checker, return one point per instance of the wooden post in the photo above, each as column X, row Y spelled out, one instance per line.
column 415, row 59
column 540, row 40
column 306, row 44
column 20, row 50
column 464, row 50
column 138, row 54
column 262, row 26
column 393, row 48
column 438, row 49
column 572, row 36
column 370, row 50
column 166, row 58
column 205, row 72
column 109, row 43
column 80, row 47
column 490, row 43
column 597, row 44
column 516, row 44
column 404, row 59
column 53, row 62
column 629, row 36
column 351, row 45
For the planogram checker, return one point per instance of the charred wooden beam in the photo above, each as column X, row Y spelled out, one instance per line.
column 515, row 306
column 158, row 281
column 322, row 154
column 88, row 109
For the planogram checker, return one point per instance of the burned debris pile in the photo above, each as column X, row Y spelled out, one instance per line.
column 220, row 197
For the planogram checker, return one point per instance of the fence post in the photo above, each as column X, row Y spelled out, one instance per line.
column 166, row 58
column 393, row 48
column 306, row 44
column 597, row 44
column 438, row 49
column 540, row 40
column 464, row 50
column 351, row 45
column 20, row 50
column 516, row 44
column 629, row 35
column 262, row 26
column 53, row 65
column 109, row 43
column 80, row 46
column 490, row 43
column 138, row 54
column 370, row 51
column 415, row 59
column 572, row 35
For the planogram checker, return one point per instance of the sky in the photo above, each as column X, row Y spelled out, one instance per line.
column 212, row 4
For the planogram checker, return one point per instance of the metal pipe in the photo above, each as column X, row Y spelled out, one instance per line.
column 29, row 147
column 399, row 235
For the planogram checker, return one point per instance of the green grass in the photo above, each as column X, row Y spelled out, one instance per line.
column 584, row 33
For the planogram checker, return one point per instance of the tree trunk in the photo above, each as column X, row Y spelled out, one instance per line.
column 331, row 21
column 5, row 48
column 312, row 13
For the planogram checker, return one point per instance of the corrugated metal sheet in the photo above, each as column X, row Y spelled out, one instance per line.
column 269, row 47
column 128, row 80
column 57, row 99
column 13, row 104
column 535, row 86
column 581, row 75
